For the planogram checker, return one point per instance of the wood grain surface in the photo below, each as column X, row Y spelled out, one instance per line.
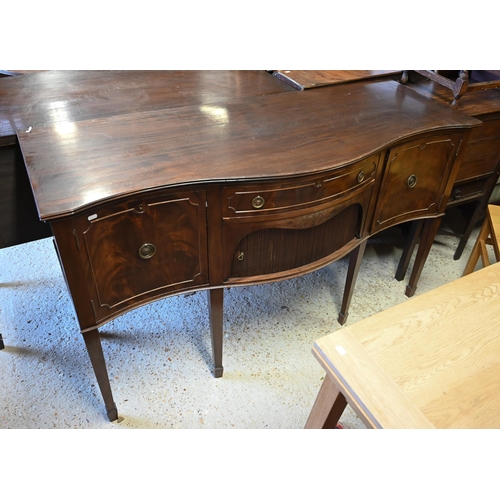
column 73, row 165
column 441, row 349
column 54, row 96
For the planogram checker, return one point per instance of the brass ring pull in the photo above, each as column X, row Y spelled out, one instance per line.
column 241, row 256
column 258, row 202
column 147, row 251
column 412, row 181
column 361, row 176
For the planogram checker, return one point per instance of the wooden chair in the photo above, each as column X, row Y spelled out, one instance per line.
column 489, row 235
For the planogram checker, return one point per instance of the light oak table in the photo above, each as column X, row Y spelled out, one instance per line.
column 433, row 361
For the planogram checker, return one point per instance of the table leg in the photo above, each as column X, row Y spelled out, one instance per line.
column 328, row 407
column 215, row 309
column 94, row 348
column 429, row 232
column 355, row 259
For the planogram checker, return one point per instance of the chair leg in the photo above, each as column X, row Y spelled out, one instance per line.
column 2, row 345
column 494, row 230
column 476, row 249
column 485, row 260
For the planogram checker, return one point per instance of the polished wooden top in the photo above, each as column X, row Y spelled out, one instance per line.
column 53, row 96
column 309, row 79
column 74, row 165
column 431, row 361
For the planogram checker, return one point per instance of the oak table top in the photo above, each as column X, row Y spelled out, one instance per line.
column 433, row 361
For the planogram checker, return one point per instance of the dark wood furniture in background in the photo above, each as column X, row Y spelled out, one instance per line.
column 307, row 79
column 480, row 167
column 170, row 182
column 462, row 82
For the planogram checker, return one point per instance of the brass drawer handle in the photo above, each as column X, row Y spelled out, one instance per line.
column 258, row 202
column 147, row 251
column 361, row 176
column 412, row 181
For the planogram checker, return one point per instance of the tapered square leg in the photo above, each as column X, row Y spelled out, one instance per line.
column 355, row 259
column 215, row 308
column 94, row 348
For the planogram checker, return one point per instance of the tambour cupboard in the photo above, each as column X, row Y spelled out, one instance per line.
column 238, row 190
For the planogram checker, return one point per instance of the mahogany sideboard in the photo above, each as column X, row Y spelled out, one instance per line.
column 236, row 190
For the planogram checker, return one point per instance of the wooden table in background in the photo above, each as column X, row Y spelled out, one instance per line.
column 309, row 79
column 433, row 361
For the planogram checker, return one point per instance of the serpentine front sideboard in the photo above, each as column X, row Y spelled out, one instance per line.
column 236, row 191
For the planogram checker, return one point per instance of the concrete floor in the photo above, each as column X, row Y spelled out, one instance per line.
column 159, row 356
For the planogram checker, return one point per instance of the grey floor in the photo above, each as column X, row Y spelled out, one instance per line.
column 159, row 356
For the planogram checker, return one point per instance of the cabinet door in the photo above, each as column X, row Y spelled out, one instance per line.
column 143, row 248
column 415, row 179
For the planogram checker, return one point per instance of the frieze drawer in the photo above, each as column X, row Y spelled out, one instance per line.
column 277, row 197
column 469, row 189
